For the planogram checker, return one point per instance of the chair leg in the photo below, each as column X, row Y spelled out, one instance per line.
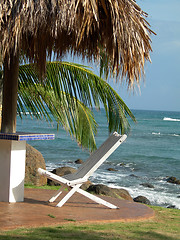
column 55, row 196
column 68, row 195
column 96, row 199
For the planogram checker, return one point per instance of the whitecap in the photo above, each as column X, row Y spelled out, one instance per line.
column 171, row 119
column 175, row 135
column 172, row 134
column 155, row 133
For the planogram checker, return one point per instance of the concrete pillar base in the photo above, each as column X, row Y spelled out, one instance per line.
column 12, row 163
column 12, row 170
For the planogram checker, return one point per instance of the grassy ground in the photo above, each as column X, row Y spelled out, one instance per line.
column 42, row 187
column 164, row 226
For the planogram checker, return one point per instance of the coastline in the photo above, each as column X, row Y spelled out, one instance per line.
column 150, row 154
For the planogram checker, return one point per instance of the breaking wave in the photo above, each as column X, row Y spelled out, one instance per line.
column 170, row 134
column 171, row 119
column 156, row 133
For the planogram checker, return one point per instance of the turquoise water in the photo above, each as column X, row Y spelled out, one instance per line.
column 150, row 154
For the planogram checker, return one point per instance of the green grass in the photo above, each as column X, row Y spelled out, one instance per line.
column 44, row 187
column 41, row 187
column 52, row 216
column 164, row 226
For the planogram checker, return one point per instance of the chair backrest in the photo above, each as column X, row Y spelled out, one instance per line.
column 98, row 157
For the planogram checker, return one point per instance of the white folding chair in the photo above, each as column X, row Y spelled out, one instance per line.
column 86, row 170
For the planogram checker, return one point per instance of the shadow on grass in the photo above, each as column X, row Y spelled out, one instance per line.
column 153, row 236
column 50, row 233
column 80, row 234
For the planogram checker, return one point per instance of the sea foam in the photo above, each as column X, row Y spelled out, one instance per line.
column 171, row 119
column 156, row 198
column 156, row 133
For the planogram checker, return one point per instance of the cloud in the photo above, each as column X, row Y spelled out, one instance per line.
column 176, row 43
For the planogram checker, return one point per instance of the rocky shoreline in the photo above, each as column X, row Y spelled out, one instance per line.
column 34, row 160
column 99, row 189
column 102, row 189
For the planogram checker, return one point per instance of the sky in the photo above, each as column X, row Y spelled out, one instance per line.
column 161, row 89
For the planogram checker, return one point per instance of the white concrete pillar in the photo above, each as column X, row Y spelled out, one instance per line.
column 12, row 170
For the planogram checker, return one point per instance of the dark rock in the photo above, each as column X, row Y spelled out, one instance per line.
column 61, row 171
column 142, row 199
column 34, row 160
column 122, row 164
column 148, row 185
column 79, row 161
column 86, row 185
column 171, row 206
column 178, row 196
column 122, row 193
column 173, row 180
column 101, row 189
column 133, row 175
column 112, row 169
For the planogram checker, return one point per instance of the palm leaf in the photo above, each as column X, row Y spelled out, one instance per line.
column 67, row 92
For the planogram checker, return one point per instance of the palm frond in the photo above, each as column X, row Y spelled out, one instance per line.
column 94, row 91
column 67, row 92
column 76, row 118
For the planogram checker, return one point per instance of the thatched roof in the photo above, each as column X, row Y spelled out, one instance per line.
column 38, row 27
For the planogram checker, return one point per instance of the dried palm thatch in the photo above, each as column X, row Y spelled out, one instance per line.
column 38, row 27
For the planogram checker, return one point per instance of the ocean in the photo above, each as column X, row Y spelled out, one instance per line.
column 150, row 154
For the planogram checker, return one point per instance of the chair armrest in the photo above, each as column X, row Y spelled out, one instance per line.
column 77, row 181
column 59, row 179
column 53, row 176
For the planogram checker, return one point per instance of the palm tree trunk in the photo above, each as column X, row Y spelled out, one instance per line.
column 0, row 115
column 10, row 89
column 0, row 98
